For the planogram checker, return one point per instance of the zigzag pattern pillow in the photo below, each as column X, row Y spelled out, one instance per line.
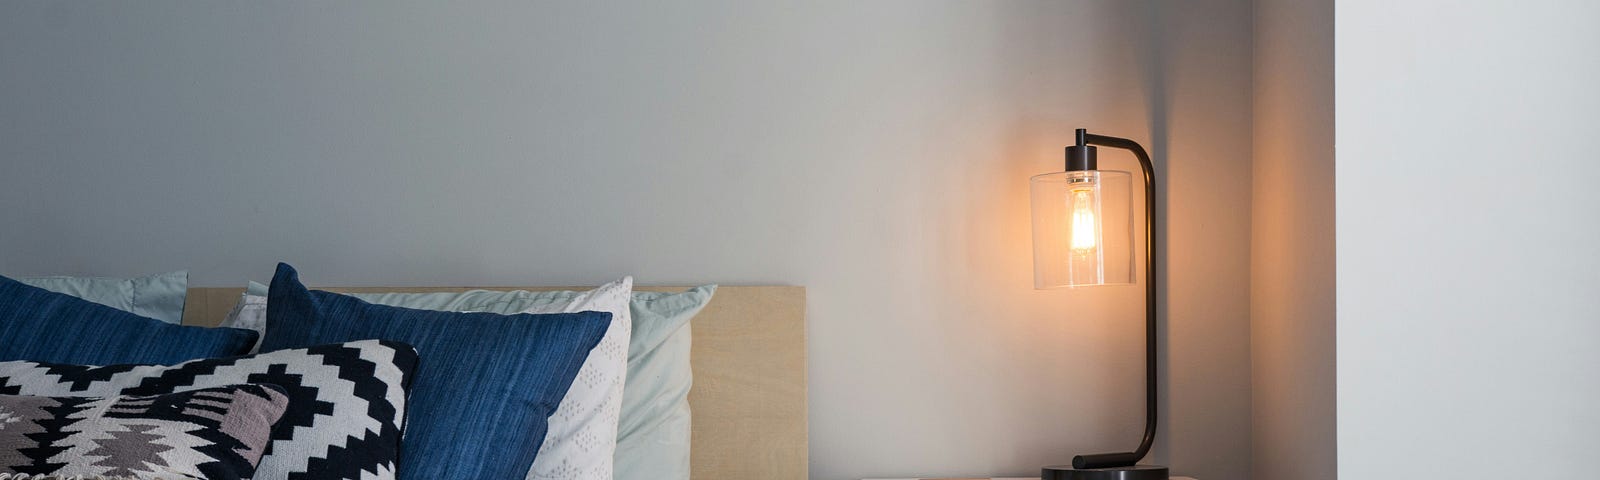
column 24, row 476
column 213, row 433
column 346, row 401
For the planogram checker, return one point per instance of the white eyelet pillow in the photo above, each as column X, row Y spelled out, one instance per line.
column 582, row 437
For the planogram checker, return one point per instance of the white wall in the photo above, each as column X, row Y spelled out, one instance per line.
column 1203, row 60
column 1292, row 246
column 1468, row 319
column 875, row 152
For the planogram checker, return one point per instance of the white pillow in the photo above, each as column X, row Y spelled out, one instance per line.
column 581, row 441
column 250, row 314
column 582, row 437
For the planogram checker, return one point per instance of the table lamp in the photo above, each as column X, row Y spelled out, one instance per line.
column 1083, row 236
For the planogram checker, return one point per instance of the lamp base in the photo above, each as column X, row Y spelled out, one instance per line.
column 1136, row 472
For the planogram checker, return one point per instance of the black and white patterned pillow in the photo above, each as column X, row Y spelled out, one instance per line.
column 211, row 433
column 346, row 401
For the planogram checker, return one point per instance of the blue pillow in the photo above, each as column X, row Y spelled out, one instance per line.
column 653, row 431
column 39, row 325
column 485, row 384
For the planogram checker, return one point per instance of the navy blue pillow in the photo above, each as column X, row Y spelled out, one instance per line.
column 485, row 384
column 39, row 325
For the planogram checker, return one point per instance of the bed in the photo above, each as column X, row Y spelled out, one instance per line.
column 749, row 394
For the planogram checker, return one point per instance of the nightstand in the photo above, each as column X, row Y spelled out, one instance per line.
column 997, row 479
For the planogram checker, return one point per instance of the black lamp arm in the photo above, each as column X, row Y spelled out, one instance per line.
column 1112, row 460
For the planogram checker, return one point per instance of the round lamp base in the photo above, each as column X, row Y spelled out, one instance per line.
column 1136, row 472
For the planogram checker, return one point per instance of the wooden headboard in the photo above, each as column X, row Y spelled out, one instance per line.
column 749, row 357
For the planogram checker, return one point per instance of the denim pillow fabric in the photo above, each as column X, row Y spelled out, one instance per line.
column 485, row 384
column 44, row 326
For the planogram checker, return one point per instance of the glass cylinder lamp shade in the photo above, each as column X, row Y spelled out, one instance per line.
column 1082, row 229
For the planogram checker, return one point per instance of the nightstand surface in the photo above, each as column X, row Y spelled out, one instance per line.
column 993, row 478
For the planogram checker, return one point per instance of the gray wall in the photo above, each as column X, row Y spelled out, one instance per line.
column 1468, row 319
column 1292, row 246
column 875, row 152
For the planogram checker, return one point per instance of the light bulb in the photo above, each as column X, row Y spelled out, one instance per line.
column 1082, row 230
column 1085, row 227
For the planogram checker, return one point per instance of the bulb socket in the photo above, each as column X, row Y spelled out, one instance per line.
column 1081, row 157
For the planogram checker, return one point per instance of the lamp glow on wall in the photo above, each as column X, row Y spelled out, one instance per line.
column 1083, row 236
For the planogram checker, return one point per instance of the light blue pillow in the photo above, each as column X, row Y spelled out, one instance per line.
column 255, row 288
column 157, row 296
column 501, row 302
column 653, row 435
column 653, row 432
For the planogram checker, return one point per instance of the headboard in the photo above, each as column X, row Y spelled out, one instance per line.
column 749, row 357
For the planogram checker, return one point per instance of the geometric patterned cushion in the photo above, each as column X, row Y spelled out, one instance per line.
column 213, row 433
column 24, row 476
column 347, row 402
